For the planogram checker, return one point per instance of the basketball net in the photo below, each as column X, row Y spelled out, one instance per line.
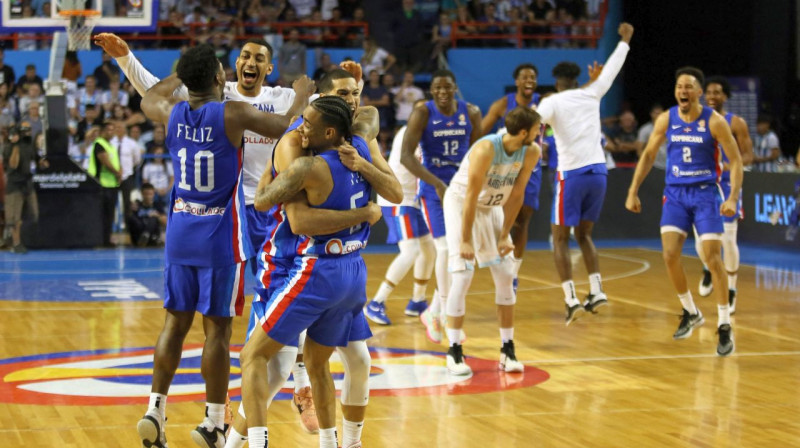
column 80, row 23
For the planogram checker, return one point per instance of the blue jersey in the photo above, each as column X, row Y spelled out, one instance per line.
column 280, row 241
column 206, row 222
column 511, row 103
column 444, row 142
column 552, row 153
column 726, row 175
column 350, row 191
column 692, row 153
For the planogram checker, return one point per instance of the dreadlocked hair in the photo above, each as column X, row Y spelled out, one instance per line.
column 335, row 113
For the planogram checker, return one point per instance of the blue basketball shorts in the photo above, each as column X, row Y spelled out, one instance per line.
column 578, row 198
column 726, row 191
column 325, row 295
column 532, row 190
column 687, row 205
column 404, row 223
column 211, row 291
column 433, row 213
column 272, row 272
column 257, row 229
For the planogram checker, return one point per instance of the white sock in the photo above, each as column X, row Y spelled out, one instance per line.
column 159, row 403
column 258, row 436
column 383, row 292
column 351, row 432
column 453, row 335
column 732, row 281
column 723, row 315
column 506, row 334
column 300, row 375
column 328, row 438
column 595, row 283
column 435, row 303
column 216, row 413
column 569, row 293
column 688, row 302
column 418, row 295
column 234, row 439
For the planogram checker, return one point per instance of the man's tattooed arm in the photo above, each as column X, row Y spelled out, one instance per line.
column 285, row 186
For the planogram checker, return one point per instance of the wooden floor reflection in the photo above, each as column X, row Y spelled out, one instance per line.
column 616, row 379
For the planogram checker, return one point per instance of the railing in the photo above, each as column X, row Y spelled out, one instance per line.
column 593, row 31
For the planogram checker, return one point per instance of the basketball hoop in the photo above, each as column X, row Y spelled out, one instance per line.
column 80, row 26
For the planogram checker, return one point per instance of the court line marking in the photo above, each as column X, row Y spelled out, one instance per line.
column 657, row 357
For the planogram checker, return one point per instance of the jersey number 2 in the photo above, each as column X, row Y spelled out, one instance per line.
column 687, row 154
column 198, row 171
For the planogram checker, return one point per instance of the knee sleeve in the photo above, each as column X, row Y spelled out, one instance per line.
column 409, row 249
column 279, row 368
column 442, row 276
column 356, row 362
column 698, row 246
column 457, row 298
column 730, row 249
column 503, row 276
column 423, row 265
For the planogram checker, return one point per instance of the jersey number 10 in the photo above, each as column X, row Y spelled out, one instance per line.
column 198, row 171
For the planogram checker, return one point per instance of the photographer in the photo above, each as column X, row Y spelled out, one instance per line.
column 147, row 218
column 19, row 154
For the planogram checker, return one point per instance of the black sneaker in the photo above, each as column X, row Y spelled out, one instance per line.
column 455, row 361
column 595, row 301
column 705, row 287
column 19, row 249
column 732, row 300
column 573, row 312
column 688, row 321
column 508, row 359
column 202, row 436
column 725, row 346
column 151, row 432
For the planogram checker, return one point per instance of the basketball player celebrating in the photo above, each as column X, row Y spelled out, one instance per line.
column 691, row 196
column 325, row 289
column 525, row 78
column 408, row 230
column 718, row 90
column 480, row 207
column 444, row 128
column 279, row 250
column 252, row 67
column 204, row 138
column 574, row 115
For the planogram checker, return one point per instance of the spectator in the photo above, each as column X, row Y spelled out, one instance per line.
column 562, row 28
column 766, row 146
column 159, row 139
column 135, row 133
column 624, row 145
column 376, row 58
column 34, row 119
column 30, row 77
column 93, row 117
column 7, row 112
column 644, row 135
column 292, row 59
column 172, row 33
column 72, row 70
column 540, row 13
column 440, row 38
column 19, row 154
column 327, row 7
column 325, row 67
column 493, row 25
column 316, row 34
column 303, row 8
column 104, row 165
column 158, row 172
column 335, row 36
column 374, row 94
column 104, row 73
column 405, row 95
column 409, row 37
column 32, row 95
column 130, row 157
column 6, row 72
column 147, row 219
column 355, row 34
column 88, row 94
column 114, row 96
column 349, row 7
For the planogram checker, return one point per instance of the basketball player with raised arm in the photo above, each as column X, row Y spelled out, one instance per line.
column 525, row 78
column 574, row 115
column 692, row 196
column 444, row 128
column 325, row 290
column 204, row 138
column 253, row 65
column 480, row 207
column 408, row 230
column 277, row 253
column 718, row 90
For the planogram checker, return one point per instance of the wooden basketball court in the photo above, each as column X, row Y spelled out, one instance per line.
column 612, row 379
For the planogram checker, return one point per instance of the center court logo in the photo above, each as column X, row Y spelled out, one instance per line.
column 111, row 377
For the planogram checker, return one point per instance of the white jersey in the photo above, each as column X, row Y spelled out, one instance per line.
column 257, row 148
column 574, row 116
column 500, row 178
column 408, row 181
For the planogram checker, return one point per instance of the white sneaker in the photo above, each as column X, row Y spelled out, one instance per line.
column 208, row 438
column 508, row 359
column 151, row 430
column 456, row 364
column 433, row 325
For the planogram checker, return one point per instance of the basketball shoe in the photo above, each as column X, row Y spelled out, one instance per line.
column 305, row 406
column 705, row 287
column 725, row 346
column 595, row 301
column 208, row 438
column 456, row 364
column 151, row 430
column 433, row 326
column 688, row 322
column 573, row 312
column 508, row 359
column 376, row 312
column 414, row 309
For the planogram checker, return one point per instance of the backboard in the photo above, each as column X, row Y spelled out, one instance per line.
column 135, row 15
